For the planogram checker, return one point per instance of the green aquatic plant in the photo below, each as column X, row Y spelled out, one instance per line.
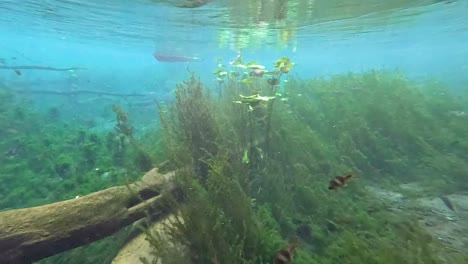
column 246, row 200
column 46, row 160
column 217, row 224
column 253, row 100
column 190, row 128
column 124, row 136
column 283, row 64
column 361, row 116
column 260, row 119
column 250, row 199
column 123, row 127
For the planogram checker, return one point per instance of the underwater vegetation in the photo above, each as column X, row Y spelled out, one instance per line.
column 46, row 158
column 258, row 158
column 255, row 158
column 40, row 154
column 385, row 125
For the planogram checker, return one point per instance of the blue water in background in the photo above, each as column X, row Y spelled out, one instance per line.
column 115, row 40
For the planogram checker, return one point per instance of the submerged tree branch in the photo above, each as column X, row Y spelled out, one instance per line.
column 31, row 234
column 77, row 92
column 38, row 67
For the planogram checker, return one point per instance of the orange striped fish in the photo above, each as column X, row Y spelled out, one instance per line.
column 339, row 181
column 286, row 254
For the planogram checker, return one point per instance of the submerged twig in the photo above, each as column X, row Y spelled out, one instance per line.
column 77, row 92
column 38, row 67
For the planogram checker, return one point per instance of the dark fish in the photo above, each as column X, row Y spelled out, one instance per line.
column 339, row 181
column 13, row 152
column 273, row 81
column 173, row 58
column 191, row 3
column 286, row 254
column 18, row 72
column 447, row 202
column 454, row 143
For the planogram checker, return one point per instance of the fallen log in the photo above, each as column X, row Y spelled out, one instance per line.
column 139, row 247
column 78, row 92
column 38, row 67
column 31, row 234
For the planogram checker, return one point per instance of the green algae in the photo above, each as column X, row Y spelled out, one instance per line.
column 379, row 125
column 46, row 158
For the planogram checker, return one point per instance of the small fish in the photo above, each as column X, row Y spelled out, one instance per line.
column 18, row 72
column 13, row 152
column 11, row 131
column 339, row 181
column 273, row 81
column 458, row 113
column 454, row 143
column 447, row 202
column 286, row 254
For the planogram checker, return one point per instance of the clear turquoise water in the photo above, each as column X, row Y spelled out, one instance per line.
column 115, row 40
column 422, row 38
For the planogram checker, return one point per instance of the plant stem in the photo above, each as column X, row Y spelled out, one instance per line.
column 269, row 113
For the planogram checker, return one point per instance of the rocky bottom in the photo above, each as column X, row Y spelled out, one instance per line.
column 448, row 226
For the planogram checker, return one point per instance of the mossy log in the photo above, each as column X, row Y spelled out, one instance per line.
column 31, row 234
column 139, row 247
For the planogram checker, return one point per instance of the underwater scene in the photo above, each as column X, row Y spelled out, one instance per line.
column 233, row 132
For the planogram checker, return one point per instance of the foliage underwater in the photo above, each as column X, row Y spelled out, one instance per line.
column 256, row 175
column 47, row 158
column 254, row 161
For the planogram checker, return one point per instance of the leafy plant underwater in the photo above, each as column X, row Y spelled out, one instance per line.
column 256, row 175
column 45, row 158
column 259, row 174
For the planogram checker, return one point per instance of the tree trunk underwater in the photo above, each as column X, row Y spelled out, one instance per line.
column 31, row 234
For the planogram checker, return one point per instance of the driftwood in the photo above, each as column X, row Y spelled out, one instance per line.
column 31, row 234
column 77, row 92
column 139, row 247
column 37, row 67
